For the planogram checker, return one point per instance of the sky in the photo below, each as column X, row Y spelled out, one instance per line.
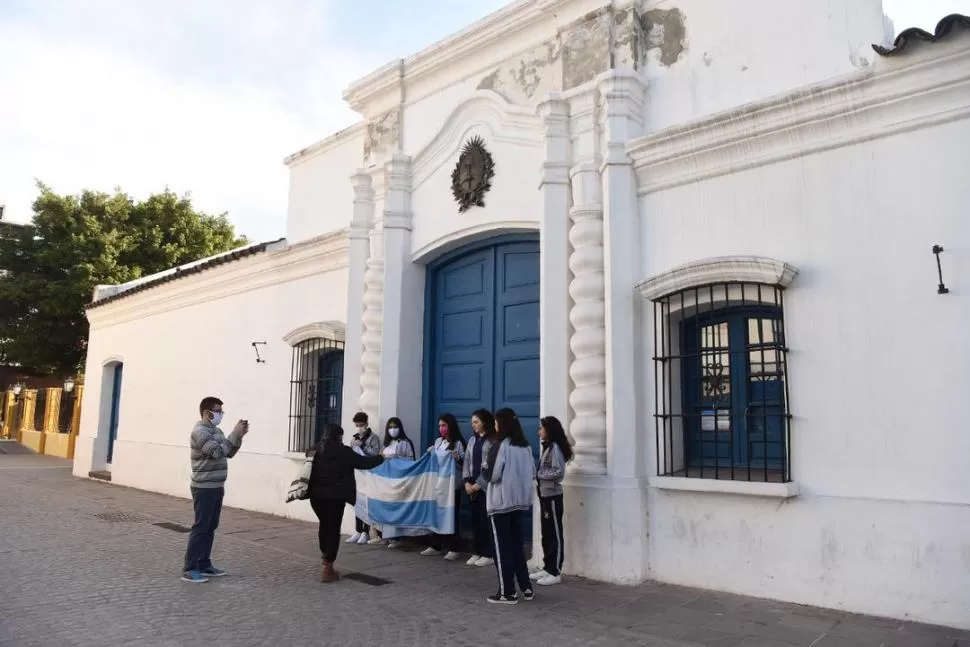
column 208, row 96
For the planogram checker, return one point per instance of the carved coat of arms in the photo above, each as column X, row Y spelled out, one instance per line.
column 472, row 177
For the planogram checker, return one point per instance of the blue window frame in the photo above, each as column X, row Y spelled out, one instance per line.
column 722, row 386
column 316, row 390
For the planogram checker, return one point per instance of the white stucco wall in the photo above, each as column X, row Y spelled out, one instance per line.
column 189, row 348
column 733, row 54
column 321, row 195
column 875, row 368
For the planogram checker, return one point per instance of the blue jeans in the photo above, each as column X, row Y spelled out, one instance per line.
column 208, row 506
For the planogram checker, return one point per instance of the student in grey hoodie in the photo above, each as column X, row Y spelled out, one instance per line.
column 475, row 454
column 507, row 478
column 556, row 452
column 365, row 443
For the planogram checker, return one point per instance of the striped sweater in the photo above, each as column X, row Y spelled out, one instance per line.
column 210, row 449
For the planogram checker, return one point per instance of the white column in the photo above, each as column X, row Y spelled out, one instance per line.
column 373, row 325
column 356, row 268
column 622, row 95
column 588, row 343
column 400, row 365
column 554, row 262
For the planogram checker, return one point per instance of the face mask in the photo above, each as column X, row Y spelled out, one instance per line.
column 394, row 431
column 216, row 417
column 443, row 431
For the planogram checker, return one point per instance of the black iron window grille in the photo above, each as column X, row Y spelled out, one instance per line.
column 65, row 417
column 721, row 387
column 316, row 390
column 40, row 409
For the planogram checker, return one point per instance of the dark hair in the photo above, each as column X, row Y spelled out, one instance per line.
column 331, row 437
column 454, row 432
column 208, row 403
column 557, row 435
column 360, row 416
column 510, row 427
column 488, row 422
column 401, row 436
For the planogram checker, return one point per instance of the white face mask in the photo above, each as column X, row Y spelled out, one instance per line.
column 393, row 431
column 216, row 417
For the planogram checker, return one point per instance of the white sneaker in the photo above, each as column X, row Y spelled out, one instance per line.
column 394, row 544
column 429, row 551
column 549, row 580
column 376, row 541
column 484, row 561
column 538, row 575
column 452, row 556
column 354, row 538
column 471, row 560
column 363, row 541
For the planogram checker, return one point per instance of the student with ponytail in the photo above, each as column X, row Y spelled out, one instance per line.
column 556, row 452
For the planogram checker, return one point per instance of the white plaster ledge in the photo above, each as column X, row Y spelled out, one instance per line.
column 745, row 269
column 746, row 488
column 332, row 330
column 295, row 456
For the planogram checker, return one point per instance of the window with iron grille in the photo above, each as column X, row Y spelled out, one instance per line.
column 316, row 390
column 721, row 383
column 40, row 409
column 66, row 414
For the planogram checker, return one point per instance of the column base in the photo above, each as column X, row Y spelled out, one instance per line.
column 605, row 528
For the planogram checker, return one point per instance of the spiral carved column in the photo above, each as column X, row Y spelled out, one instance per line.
column 588, row 342
column 373, row 320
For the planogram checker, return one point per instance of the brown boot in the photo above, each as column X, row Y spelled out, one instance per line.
column 329, row 575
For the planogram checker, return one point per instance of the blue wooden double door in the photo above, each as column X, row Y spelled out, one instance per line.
column 483, row 351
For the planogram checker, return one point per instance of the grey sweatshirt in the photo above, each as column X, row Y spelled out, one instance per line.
column 552, row 469
column 372, row 446
column 512, row 476
column 209, row 451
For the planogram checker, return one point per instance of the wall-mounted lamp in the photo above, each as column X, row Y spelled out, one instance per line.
column 256, row 345
column 17, row 389
column 941, row 288
column 68, row 385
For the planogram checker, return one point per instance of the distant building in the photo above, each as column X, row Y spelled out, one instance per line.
column 698, row 232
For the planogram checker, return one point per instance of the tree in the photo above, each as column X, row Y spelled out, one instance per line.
column 76, row 242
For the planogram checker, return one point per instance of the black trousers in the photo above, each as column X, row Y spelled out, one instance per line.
column 361, row 526
column 452, row 541
column 207, row 503
column 510, row 553
column 553, row 551
column 481, row 528
column 330, row 512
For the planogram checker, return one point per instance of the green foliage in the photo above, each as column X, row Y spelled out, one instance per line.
column 77, row 242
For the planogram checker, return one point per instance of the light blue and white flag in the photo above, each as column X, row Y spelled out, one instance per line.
column 407, row 498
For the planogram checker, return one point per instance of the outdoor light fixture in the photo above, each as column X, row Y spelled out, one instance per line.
column 17, row 389
column 941, row 288
column 256, row 345
column 68, row 385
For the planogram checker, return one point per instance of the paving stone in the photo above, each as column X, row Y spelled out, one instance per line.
column 73, row 578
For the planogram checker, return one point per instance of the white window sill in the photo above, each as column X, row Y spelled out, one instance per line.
column 744, row 488
column 296, row 456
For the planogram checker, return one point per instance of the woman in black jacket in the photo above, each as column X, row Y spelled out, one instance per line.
column 333, row 485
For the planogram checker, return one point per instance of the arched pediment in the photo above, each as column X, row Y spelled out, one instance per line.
column 484, row 113
column 333, row 330
column 724, row 269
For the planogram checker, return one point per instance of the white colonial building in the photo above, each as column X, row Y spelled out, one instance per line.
column 698, row 232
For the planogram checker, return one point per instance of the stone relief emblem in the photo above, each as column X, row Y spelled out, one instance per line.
column 472, row 177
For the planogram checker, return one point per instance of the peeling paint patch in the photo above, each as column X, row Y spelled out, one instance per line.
column 628, row 39
column 586, row 48
column 382, row 135
column 525, row 76
column 665, row 31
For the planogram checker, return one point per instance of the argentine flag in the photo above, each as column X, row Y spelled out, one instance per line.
column 407, row 498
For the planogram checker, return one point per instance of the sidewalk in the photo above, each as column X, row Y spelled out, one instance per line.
column 87, row 563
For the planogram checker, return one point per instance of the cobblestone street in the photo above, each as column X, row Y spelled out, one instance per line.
column 86, row 563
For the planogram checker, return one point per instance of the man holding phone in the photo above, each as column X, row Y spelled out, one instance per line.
column 210, row 450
